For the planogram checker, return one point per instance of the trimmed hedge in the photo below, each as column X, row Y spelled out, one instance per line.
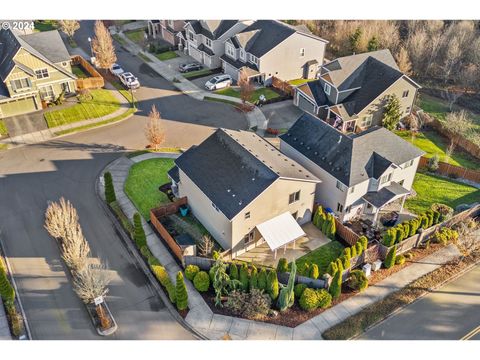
column 191, row 271
column 308, row 300
column 358, row 280
column 282, row 265
column 201, row 281
column 254, row 278
column 181, row 294
column 140, row 238
column 233, row 271
column 7, row 291
column 336, row 287
column 298, row 290
column 391, row 256
column 243, row 277
column 109, row 189
column 272, row 284
column 262, row 280
column 162, row 276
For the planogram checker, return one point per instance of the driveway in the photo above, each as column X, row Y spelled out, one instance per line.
column 281, row 115
column 448, row 313
column 26, row 123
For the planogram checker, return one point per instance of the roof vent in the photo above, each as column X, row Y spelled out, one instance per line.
column 301, row 142
column 253, row 179
column 228, row 190
column 337, row 168
column 308, row 147
column 316, row 152
column 240, row 202
column 233, row 195
column 294, row 139
column 330, row 163
column 324, row 157
column 339, row 139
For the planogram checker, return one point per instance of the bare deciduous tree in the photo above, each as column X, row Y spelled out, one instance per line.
column 60, row 218
column 91, row 282
column 69, row 27
column 403, row 61
column 75, row 249
column 206, row 246
column 458, row 123
column 154, row 131
column 246, row 87
column 451, row 96
column 102, row 46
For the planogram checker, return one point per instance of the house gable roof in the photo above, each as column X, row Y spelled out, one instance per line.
column 351, row 159
column 213, row 29
column 233, row 167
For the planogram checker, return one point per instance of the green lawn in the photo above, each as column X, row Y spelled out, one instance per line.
column 103, row 102
column 45, row 25
column 144, row 57
column 322, row 256
column 203, row 72
column 297, row 82
column 3, row 128
column 127, row 94
column 119, row 39
column 434, row 189
column 167, row 55
column 433, row 143
column 143, row 181
column 137, row 36
column 79, row 72
column 234, row 92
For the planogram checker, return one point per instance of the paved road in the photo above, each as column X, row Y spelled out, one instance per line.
column 32, row 175
column 449, row 313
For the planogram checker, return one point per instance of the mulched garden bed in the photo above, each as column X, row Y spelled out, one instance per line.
column 295, row 316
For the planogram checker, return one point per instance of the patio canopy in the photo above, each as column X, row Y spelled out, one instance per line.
column 385, row 195
column 280, row 230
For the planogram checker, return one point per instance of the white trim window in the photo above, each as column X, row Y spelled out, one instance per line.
column 327, row 88
column 302, row 52
column 191, row 36
column 366, row 121
column 242, row 54
column 386, row 178
column 341, row 186
column 46, row 92
column 230, row 50
column 408, row 164
column 21, row 84
column 405, row 94
column 170, row 23
column 208, row 42
column 294, row 197
column 253, row 59
column 41, row 73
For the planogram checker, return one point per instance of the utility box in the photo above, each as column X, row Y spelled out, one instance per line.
column 367, row 269
column 377, row 265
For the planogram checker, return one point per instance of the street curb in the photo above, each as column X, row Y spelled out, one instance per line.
column 429, row 291
column 140, row 261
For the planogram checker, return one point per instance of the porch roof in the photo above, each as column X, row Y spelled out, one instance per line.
column 385, row 195
column 280, row 230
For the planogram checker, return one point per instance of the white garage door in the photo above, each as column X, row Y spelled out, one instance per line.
column 305, row 104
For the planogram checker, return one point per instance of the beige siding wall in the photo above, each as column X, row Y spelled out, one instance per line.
column 285, row 62
column 273, row 202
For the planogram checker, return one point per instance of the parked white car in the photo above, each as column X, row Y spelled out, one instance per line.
column 218, row 82
column 116, row 70
column 129, row 80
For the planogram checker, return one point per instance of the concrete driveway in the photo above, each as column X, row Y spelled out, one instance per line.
column 281, row 115
column 26, row 123
column 448, row 313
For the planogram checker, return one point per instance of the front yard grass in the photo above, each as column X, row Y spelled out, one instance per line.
column 45, row 25
column 167, row 55
column 434, row 189
column 137, row 36
column 143, row 182
column 433, row 143
column 102, row 103
column 203, row 72
column 322, row 256
column 233, row 92
column 3, row 128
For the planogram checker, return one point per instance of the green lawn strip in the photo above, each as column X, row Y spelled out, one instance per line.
column 433, row 143
column 173, row 150
column 322, row 256
column 103, row 102
column 268, row 93
column 137, row 36
column 45, row 25
column 3, row 128
column 230, row 102
column 434, row 189
column 119, row 39
column 203, row 72
column 143, row 182
column 297, row 82
column 79, row 72
column 127, row 94
column 144, row 57
column 100, row 123
column 167, row 55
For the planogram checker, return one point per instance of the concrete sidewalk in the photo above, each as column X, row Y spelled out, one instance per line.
column 4, row 328
column 214, row 326
column 255, row 118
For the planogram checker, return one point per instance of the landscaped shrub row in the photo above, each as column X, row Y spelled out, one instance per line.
column 349, row 253
column 325, row 222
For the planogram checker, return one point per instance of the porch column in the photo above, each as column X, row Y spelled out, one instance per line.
column 328, row 114
column 376, row 216
column 403, row 202
column 275, row 254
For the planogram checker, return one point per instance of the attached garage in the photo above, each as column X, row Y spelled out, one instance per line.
column 305, row 103
column 17, row 107
column 195, row 53
column 230, row 70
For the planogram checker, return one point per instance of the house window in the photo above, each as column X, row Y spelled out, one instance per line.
column 407, row 110
column 190, row 36
column 247, row 215
column 327, row 89
column 340, row 186
column 408, row 164
column 386, row 178
column 348, row 209
column 170, row 23
column 253, row 59
column 366, row 121
column 21, row 84
column 339, row 207
column 46, row 92
column 41, row 74
column 405, row 94
column 249, row 237
column 302, row 52
column 352, row 189
column 294, row 197
column 208, row 42
column 230, row 50
column 242, row 54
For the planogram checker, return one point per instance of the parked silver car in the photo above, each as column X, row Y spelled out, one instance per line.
column 129, row 80
column 219, row 82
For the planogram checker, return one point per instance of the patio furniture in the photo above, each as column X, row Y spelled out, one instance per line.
column 376, row 265
column 184, row 210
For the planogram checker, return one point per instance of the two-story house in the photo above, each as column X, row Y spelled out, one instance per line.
column 360, row 173
column 271, row 48
column 352, row 91
column 34, row 70
column 244, row 191
column 168, row 30
column 205, row 39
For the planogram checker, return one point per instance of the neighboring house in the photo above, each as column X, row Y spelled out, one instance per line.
column 205, row 39
column 34, row 68
column 360, row 173
column 166, row 29
column 351, row 91
column 270, row 48
column 237, row 183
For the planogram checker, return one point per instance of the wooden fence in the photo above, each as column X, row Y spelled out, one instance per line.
column 95, row 79
column 449, row 170
column 347, row 234
column 283, row 86
column 169, row 209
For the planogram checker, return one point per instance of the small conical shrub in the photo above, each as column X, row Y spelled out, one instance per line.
column 345, row 262
column 233, row 273
column 314, row 272
column 282, row 265
column 332, row 268
column 354, row 251
column 181, row 294
column 336, row 286
column 358, row 246
column 347, row 252
column 400, row 234
column 109, row 189
column 254, row 278
column 243, row 277
column 7, row 292
column 391, row 256
column 340, row 265
column 140, row 239
column 324, row 224
column 272, row 285
column 364, row 241
column 262, row 279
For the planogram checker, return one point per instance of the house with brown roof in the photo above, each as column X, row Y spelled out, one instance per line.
column 168, row 30
column 351, row 92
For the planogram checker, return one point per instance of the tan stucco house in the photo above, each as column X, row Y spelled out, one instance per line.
column 360, row 174
column 34, row 70
column 271, row 48
column 351, row 91
column 241, row 188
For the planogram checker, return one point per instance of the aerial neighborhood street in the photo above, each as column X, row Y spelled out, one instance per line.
column 238, row 180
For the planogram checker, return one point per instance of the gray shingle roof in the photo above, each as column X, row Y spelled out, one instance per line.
column 49, row 44
column 233, row 167
column 213, row 29
column 385, row 195
column 351, row 159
